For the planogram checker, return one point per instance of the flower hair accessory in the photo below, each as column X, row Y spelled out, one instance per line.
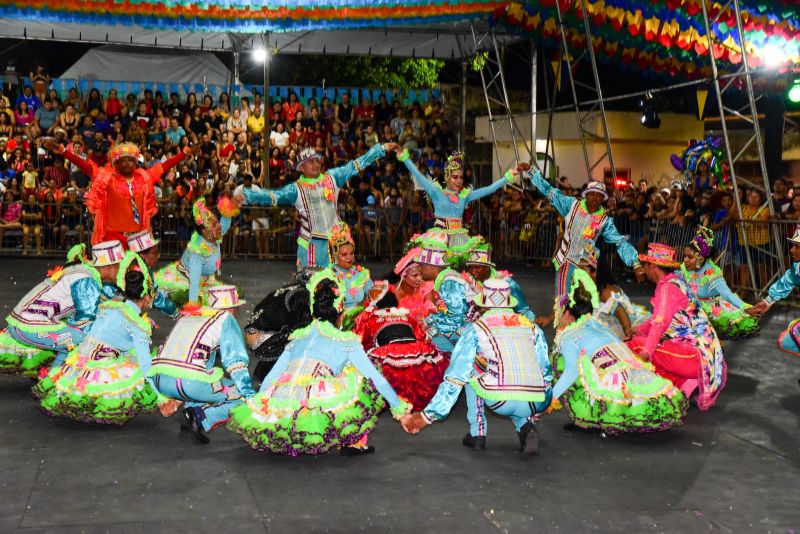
column 203, row 216
column 128, row 263
column 338, row 290
column 703, row 241
column 455, row 162
column 338, row 237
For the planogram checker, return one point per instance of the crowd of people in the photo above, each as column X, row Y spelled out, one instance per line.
column 336, row 344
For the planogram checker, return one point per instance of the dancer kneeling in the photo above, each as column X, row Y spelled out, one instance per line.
column 103, row 379
column 185, row 369
column 602, row 383
column 501, row 362
column 724, row 308
column 678, row 338
column 323, row 392
column 186, row 279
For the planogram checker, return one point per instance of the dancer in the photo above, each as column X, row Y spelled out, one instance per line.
column 185, row 280
column 274, row 318
column 413, row 292
column 314, row 196
column 354, row 278
column 584, row 222
column 53, row 317
column 602, row 384
column 103, row 379
column 480, row 268
column 396, row 343
column 449, row 204
column 678, row 339
column 121, row 196
column 323, row 392
column 147, row 248
column 501, row 362
column 453, row 296
column 789, row 339
column 185, row 367
column 724, row 308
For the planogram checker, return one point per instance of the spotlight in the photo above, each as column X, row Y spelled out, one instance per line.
column 794, row 92
column 260, row 54
column 650, row 118
column 773, row 56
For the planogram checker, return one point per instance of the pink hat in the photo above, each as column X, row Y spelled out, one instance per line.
column 432, row 256
column 223, row 297
column 661, row 255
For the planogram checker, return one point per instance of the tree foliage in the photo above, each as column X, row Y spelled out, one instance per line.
column 361, row 71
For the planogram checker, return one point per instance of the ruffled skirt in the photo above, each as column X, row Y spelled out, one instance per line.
column 308, row 410
column 457, row 242
column 729, row 321
column 628, row 400
column 109, row 390
column 18, row 358
column 173, row 280
column 414, row 370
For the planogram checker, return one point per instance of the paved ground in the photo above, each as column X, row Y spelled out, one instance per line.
column 732, row 469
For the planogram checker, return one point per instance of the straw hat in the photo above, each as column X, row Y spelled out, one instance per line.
column 661, row 255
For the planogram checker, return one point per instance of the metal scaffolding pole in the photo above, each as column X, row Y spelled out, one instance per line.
column 749, row 114
column 597, row 111
column 495, row 93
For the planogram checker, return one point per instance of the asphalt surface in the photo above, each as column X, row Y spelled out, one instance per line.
column 731, row 469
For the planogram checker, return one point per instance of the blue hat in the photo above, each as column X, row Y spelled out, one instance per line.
column 370, row 199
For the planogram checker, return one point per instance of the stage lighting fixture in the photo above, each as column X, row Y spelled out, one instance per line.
column 650, row 118
column 260, row 54
column 773, row 56
column 794, row 92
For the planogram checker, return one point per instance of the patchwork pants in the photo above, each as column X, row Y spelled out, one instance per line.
column 520, row 412
column 212, row 401
column 60, row 341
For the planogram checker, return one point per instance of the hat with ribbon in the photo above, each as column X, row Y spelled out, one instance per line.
column 496, row 293
column 141, row 241
column 123, row 150
column 107, row 253
column 661, row 255
column 481, row 256
column 223, row 297
column 595, row 187
column 307, row 154
column 432, row 256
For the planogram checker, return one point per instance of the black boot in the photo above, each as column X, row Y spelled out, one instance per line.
column 528, row 439
column 474, row 442
column 194, row 426
column 355, row 450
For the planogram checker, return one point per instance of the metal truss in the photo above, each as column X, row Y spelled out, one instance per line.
column 749, row 114
column 496, row 94
column 593, row 108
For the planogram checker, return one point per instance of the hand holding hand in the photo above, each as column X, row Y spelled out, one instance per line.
column 392, row 147
column 523, row 166
column 758, row 310
column 169, row 407
column 413, row 423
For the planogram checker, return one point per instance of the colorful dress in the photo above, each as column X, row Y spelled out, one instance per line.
column 683, row 345
column 50, row 320
column 581, row 230
column 103, row 378
column 185, row 369
column 185, row 280
column 418, row 303
column 323, row 392
column 789, row 339
column 724, row 308
column 501, row 362
column 448, row 232
column 605, row 312
column 455, row 295
column 604, row 386
column 315, row 201
column 357, row 283
column 396, row 344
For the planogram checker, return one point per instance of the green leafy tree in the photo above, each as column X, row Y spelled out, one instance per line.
column 363, row 71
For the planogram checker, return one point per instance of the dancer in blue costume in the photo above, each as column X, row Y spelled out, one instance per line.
column 103, row 380
column 603, row 385
column 185, row 368
column 354, row 278
column 789, row 339
column 323, row 391
column 725, row 310
column 480, row 268
column 584, row 222
column 53, row 317
column 147, row 248
column 314, row 196
column 449, row 204
column 502, row 364
column 186, row 279
column 453, row 295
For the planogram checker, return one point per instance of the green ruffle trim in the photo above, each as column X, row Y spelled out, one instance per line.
column 27, row 364
column 175, row 371
column 142, row 323
column 731, row 324
column 107, row 410
column 349, row 317
column 504, row 395
column 326, row 329
column 35, row 329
